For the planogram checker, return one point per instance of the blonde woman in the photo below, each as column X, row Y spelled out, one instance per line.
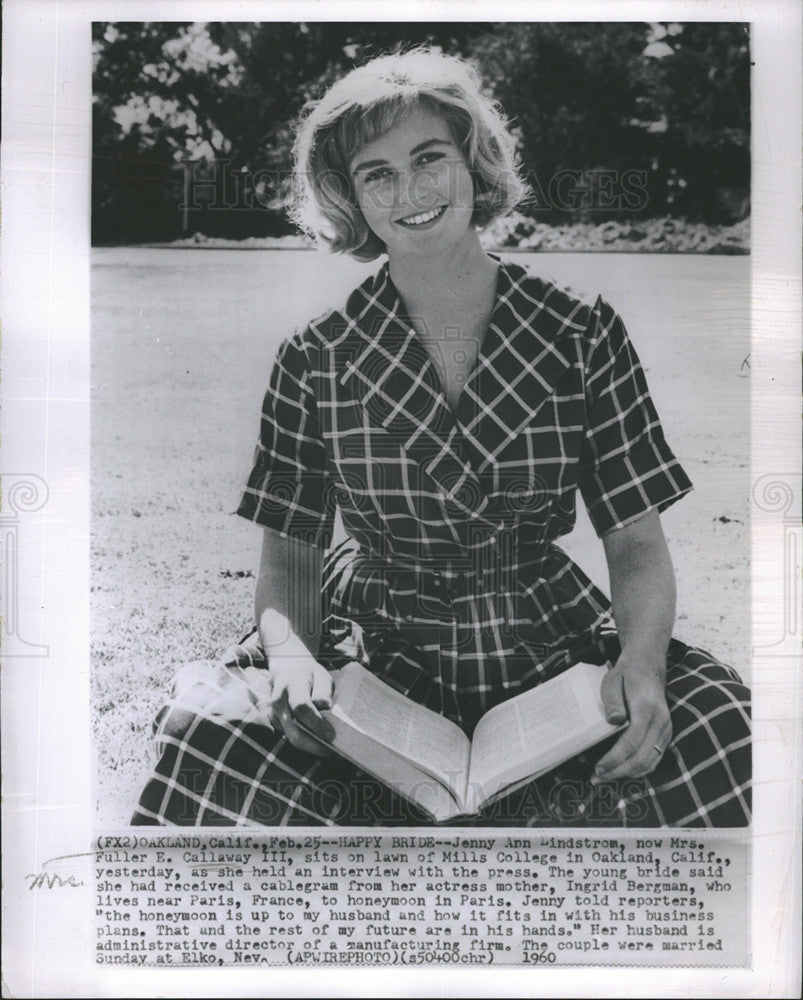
column 451, row 409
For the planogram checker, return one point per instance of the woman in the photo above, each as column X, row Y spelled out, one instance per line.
column 450, row 410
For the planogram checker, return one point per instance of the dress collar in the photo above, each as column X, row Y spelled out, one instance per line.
column 522, row 355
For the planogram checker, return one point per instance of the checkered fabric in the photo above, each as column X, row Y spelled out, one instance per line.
column 450, row 586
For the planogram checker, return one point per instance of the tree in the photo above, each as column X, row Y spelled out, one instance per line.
column 702, row 91
column 569, row 91
column 668, row 100
column 223, row 97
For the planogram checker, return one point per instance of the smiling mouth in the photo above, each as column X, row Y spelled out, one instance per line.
column 413, row 221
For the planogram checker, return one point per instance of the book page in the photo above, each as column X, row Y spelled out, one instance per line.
column 434, row 744
column 538, row 730
column 427, row 792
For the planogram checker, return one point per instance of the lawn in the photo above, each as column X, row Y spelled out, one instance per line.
column 182, row 345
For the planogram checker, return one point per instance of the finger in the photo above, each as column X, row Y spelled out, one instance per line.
column 299, row 691
column 278, row 688
column 322, row 688
column 310, row 718
column 644, row 758
column 258, row 681
column 613, row 697
column 661, row 745
column 282, row 717
column 299, row 695
column 297, row 737
column 624, row 749
column 628, row 744
column 302, row 741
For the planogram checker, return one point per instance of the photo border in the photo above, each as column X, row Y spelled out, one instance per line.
column 48, row 947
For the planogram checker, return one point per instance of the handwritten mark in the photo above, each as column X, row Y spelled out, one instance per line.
column 45, row 881
column 50, row 880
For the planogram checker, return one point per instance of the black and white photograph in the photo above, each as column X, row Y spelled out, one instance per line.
column 405, row 297
column 400, row 497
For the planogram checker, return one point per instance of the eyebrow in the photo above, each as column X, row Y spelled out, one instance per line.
column 368, row 164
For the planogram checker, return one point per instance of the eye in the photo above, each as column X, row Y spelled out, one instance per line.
column 377, row 174
column 430, row 157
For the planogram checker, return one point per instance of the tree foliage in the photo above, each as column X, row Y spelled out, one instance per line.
column 671, row 101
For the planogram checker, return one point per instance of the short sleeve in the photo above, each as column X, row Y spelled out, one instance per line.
column 288, row 488
column 627, row 468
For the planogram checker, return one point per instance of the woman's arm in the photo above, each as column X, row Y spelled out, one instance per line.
column 287, row 606
column 643, row 596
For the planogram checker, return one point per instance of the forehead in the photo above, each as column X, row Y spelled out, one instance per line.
column 417, row 125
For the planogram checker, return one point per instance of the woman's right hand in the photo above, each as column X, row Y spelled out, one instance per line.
column 301, row 688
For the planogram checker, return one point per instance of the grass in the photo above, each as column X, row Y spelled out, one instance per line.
column 182, row 346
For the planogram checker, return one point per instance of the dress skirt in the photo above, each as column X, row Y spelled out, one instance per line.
column 221, row 764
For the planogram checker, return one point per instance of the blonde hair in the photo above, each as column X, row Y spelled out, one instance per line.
column 364, row 105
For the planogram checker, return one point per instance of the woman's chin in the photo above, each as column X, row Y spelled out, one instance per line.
column 435, row 243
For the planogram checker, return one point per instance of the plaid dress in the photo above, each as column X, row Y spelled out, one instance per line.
column 450, row 585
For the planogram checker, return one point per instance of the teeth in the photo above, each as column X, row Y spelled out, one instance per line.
column 419, row 220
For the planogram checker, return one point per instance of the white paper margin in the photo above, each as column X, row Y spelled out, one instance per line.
column 48, row 945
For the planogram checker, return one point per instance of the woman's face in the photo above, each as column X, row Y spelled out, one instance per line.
column 414, row 187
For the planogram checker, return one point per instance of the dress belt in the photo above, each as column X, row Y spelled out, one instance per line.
column 436, row 567
column 465, row 566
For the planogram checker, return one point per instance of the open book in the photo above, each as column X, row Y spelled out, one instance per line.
column 431, row 762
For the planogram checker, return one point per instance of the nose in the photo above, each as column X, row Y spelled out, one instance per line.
column 415, row 191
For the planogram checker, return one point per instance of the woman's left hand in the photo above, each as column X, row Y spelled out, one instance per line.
column 635, row 689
